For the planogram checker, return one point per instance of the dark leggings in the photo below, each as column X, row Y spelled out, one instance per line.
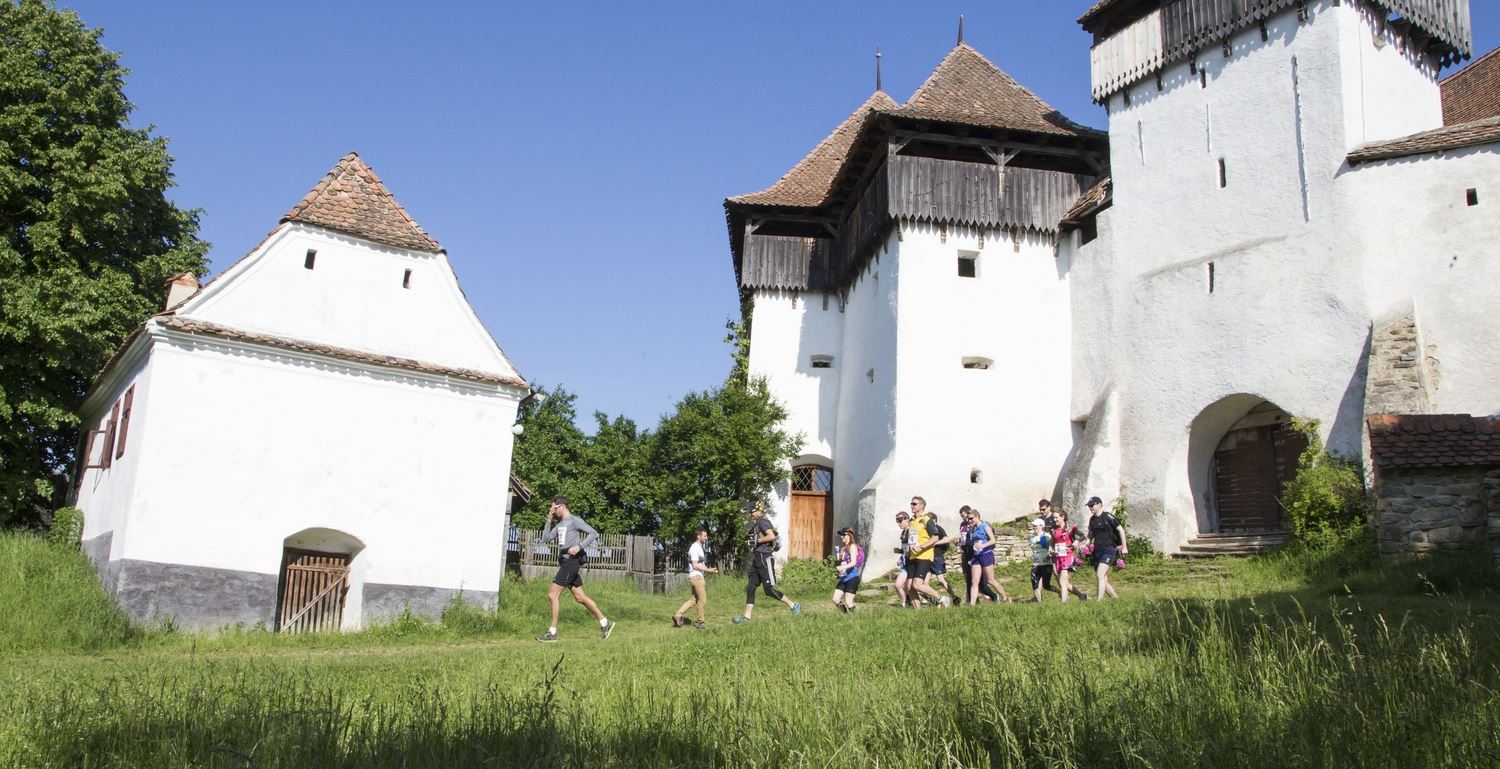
column 762, row 572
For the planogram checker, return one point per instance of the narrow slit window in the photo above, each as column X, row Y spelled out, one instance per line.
column 1223, row 174
column 406, row 280
column 1210, row 277
column 975, row 476
column 307, row 261
column 968, row 265
column 975, row 363
column 822, row 361
column 870, row 375
column 1472, row 196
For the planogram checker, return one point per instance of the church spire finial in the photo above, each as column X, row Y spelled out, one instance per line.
column 877, row 68
column 960, row 29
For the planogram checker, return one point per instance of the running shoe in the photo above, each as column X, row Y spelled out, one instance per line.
column 796, row 610
column 944, row 602
column 606, row 629
column 740, row 620
column 547, row 637
column 676, row 621
column 701, row 626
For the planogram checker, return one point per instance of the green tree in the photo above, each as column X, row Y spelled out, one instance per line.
column 548, row 452
column 618, row 487
column 719, row 451
column 89, row 239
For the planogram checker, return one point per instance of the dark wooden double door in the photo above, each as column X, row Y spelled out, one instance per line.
column 1250, row 469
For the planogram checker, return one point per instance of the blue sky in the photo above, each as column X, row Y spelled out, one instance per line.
column 572, row 157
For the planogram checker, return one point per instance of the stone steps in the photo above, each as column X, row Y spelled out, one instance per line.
column 1220, row 545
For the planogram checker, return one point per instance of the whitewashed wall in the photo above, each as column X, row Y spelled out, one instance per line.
column 353, row 297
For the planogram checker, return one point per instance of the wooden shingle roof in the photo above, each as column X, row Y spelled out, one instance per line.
column 351, row 199
column 1473, row 93
column 810, row 181
column 1092, row 201
column 1453, row 137
column 1433, row 440
column 968, row 89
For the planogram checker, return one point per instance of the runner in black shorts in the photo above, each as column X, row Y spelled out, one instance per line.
column 573, row 538
column 762, row 571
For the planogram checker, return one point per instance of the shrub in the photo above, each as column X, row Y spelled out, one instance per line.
column 1140, row 547
column 803, row 575
column 1326, row 500
column 67, row 527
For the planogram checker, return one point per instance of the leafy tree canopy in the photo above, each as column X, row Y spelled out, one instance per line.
column 87, row 238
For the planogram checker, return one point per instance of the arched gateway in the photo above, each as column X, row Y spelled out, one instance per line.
column 1243, row 451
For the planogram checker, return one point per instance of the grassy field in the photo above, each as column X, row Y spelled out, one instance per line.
column 1288, row 660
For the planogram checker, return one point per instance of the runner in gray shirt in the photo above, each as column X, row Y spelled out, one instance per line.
column 573, row 538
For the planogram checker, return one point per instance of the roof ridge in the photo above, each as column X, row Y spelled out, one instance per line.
column 1010, row 105
column 352, row 199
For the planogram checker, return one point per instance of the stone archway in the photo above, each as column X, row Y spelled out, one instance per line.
column 1242, row 450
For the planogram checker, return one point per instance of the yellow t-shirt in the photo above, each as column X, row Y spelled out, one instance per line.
column 926, row 530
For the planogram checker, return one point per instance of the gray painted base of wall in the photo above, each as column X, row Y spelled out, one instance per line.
column 383, row 602
column 203, row 598
column 194, row 597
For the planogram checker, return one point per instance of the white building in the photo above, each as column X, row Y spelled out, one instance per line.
column 311, row 439
column 1276, row 199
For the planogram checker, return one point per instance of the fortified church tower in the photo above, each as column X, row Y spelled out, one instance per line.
column 906, row 304
column 1288, row 230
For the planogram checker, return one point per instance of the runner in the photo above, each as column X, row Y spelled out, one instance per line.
column 762, row 570
column 851, row 561
column 1107, row 537
column 982, row 566
column 907, row 539
column 919, row 563
column 697, row 567
column 1041, row 560
column 940, row 561
column 1064, row 556
column 573, row 538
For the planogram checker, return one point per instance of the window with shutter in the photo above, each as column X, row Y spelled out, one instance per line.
column 109, row 434
column 125, row 422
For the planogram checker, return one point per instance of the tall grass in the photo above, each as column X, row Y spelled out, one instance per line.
column 50, row 599
column 1203, row 665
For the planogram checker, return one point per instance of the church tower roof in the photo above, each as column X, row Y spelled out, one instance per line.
column 351, row 199
column 967, row 88
column 809, row 182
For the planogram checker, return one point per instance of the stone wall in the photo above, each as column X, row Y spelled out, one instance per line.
column 1400, row 379
column 1421, row 511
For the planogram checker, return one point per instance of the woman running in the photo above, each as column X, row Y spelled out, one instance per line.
column 982, row 564
column 1064, row 557
column 851, row 561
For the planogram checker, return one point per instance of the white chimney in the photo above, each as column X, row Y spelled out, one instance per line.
column 180, row 288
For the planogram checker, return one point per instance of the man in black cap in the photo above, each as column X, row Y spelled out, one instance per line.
column 762, row 569
column 1107, row 538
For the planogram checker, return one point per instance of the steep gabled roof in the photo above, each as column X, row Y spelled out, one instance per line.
column 1473, row 93
column 967, row 88
column 1453, row 137
column 810, row 181
column 351, row 199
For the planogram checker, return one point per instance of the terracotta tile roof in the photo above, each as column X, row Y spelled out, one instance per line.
column 193, row 326
column 1433, row 440
column 1446, row 138
column 352, row 200
column 966, row 88
column 810, row 181
column 1473, row 93
column 1092, row 201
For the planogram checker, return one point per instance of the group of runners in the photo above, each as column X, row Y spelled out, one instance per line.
column 1058, row 549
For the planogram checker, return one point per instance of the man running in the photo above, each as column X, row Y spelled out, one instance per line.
column 573, row 538
column 1107, row 537
column 762, row 565
column 919, row 563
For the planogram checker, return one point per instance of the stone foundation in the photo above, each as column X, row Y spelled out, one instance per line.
column 1421, row 511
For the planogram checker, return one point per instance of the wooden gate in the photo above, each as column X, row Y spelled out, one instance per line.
column 1251, row 468
column 811, row 534
column 313, row 586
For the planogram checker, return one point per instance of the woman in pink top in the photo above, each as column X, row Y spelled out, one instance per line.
column 1064, row 558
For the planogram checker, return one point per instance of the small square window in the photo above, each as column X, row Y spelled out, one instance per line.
column 310, row 259
column 822, row 361
column 1472, row 196
column 968, row 265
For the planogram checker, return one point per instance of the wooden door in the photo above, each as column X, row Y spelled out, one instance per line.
column 313, row 586
column 811, row 534
column 1251, row 468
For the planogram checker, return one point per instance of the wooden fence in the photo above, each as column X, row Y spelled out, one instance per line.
column 612, row 556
